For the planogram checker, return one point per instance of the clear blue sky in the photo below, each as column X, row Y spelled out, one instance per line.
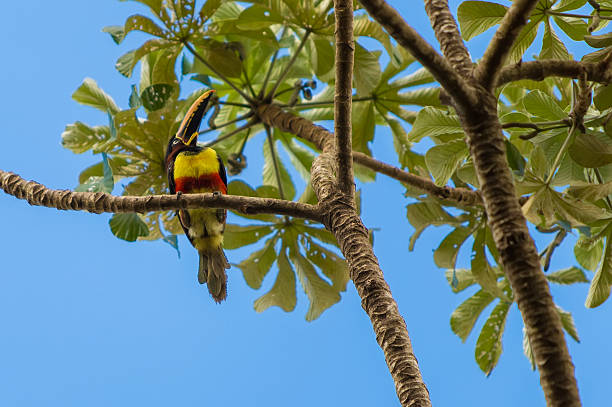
column 88, row 319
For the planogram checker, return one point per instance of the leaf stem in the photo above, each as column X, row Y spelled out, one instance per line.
column 558, row 13
column 237, row 119
column 219, row 74
column 294, row 57
column 561, row 153
column 271, row 67
column 274, row 162
column 250, row 123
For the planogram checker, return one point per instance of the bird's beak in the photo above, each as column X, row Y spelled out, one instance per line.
column 188, row 130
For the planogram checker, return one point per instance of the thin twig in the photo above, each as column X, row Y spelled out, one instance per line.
column 558, row 13
column 237, row 119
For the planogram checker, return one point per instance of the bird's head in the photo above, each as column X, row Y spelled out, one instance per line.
column 187, row 134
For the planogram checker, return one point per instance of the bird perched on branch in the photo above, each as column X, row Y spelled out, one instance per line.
column 192, row 169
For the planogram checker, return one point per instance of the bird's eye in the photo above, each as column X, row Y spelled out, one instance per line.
column 175, row 141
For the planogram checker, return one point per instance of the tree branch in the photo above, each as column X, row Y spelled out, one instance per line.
column 406, row 36
column 345, row 49
column 323, row 139
column 447, row 33
column 376, row 299
column 519, row 256
column 600, row 72
column 99, row 202
column 494, row 57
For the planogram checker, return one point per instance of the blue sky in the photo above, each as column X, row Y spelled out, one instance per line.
column 88, row 319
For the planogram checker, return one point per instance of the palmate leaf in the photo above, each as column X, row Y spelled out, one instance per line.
column 445, row 256
column 269, row 172
column 258, row 264
column 283, row 292
column 476, row 17
column 236, row 236
column 79, row 137
column 126, row 63
column 599, row 291
column 552, row 46
column 90, row 94
column 432, row 122
column 588, row 252
column 444, row 159
column 539, row 104
column 524, row 40
column 460, row 279
column 465, row 315
column 367, row 70
column 489, row 343
column 424, row 214
column 128, row 226
column 567, row 276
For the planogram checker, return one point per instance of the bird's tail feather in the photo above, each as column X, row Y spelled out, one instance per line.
column 212, row 272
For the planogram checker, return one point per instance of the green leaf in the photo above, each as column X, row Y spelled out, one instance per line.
column 283, row 292
column 363, row 124
column 269, row 173
column 258, row 264
column 481, row 269
column 590, row 192
column 330, row 264
column 460, row 279
column 575, row 28
column 552, row 46
column 567, row 276
column 445, row 256
column 516, row 161
column 79, row 137
column 420, row 97
column 442, row 160
column 236, row 236
column 588, row 253
column 566, row 5
column 432, row 122
column 300, row 157
column 208, row 9
column 90, row 94
column 603, row 97
column 155, row 96
column 599, row 41
column 599, row 291
column 476, row 17
column 128, row 226
column 323, row 56
column 321, row 294
column 135, row 101
column 523, row 41
column 154, row 5
column 116, row 32
column 126, row 63
column 541, row 105
column 590, row 152
column 221, row 56
column 465, row 315
column 138, row 22
column 424, row 214
column 567, row 321
column 366, row 70
column 489, row 343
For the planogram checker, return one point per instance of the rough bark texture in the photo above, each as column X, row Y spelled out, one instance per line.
column 273, row 115
column 519, row 255
column 342, row 220
column 99, row 202
column 539, row 70
column 447, row 33
column 343, row 97
column 494, row 57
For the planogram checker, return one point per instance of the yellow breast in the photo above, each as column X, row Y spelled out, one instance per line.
column 188, row 164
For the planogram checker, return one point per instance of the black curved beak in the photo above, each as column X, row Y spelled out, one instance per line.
column 188, row 130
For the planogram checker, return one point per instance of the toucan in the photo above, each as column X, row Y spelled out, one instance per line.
column 193, row 169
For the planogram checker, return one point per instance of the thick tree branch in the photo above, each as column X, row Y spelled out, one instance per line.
column 406, row 36
column 494, row 57
column 447, row 33
column 518, row 253
column 376, row 298
column 345, row 49
column 274, row 116
column 99, row 202
column 600, row 72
